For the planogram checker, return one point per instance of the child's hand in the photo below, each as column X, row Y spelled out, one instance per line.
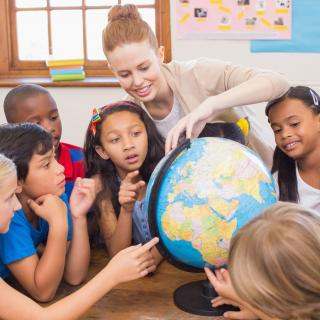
column 129, row 191
column 244, row 312
column 82, row 197
column 132, row 263
column 51, row 208
column 221, row 281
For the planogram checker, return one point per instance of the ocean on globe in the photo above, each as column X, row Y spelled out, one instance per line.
column 200, row 195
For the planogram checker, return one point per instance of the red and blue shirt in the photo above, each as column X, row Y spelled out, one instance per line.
column 71, row 157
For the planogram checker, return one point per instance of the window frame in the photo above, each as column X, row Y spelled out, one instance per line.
column 12, row 67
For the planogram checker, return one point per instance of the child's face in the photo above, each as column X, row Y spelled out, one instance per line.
column 45, row 176
column 41, row 109
column 296, row 128
column 137, row 67
column 124, row 140
column 8, row 202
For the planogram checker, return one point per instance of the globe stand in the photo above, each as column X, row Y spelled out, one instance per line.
column 195, row 297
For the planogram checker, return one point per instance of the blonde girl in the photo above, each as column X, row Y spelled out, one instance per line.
column 274, row 266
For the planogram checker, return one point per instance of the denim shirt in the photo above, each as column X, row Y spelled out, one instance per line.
column 140, row 227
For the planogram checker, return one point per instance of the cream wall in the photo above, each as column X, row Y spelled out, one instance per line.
column 75, row 103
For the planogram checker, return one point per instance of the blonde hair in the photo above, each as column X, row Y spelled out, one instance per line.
column 7, row 169
column 274, row 262
column 124, row 26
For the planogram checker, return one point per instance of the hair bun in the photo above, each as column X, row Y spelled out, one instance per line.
column 119, row 12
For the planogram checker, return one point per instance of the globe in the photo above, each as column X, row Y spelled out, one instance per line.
column 200, row 195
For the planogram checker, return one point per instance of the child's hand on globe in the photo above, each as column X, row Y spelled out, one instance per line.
column 220, row 279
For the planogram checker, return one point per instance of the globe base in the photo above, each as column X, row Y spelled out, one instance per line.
column 195, row 297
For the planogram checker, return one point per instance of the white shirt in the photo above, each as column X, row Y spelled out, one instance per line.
column 166, row 124
column 309, row 196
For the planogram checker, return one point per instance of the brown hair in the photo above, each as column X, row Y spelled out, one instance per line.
column 124, row 26
column 274, row 262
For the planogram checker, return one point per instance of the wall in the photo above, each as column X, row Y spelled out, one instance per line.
column 75, row 104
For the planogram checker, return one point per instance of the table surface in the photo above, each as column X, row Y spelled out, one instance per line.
column 149, row 298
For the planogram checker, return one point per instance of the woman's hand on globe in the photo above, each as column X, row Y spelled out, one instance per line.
column 129, row 191
column 244, row 312
column 190, row 125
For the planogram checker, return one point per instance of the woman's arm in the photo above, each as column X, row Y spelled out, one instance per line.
column 127, row 265
column 225, row 86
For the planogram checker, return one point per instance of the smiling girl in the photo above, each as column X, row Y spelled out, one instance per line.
column 295, row 120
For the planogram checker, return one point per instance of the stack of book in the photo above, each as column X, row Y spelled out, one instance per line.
column 64, row 70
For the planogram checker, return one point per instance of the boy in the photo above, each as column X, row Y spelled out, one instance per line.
column 33, row 103
column 44, row 216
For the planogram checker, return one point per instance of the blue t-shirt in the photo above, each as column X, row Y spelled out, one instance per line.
column 22, row 239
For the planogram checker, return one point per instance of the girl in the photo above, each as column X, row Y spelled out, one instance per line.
column 295, row 120
column 127, row 265
column 181, row 96
column 121, row 150
column 274, row 266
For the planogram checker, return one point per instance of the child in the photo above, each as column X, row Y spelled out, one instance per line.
column 122, row 147
column 181, row 96
column 33, row 103
column 295, row 120
column 44, row 217
column 274, row 266
column 128, row 265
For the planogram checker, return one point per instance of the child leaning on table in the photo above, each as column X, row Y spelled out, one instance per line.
column 45, row 216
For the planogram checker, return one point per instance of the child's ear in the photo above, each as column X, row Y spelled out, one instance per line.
column 161, row 53
column 19, row 186
column 101, row 152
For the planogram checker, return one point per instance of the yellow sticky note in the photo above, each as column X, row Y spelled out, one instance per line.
column 240, row 15
column 216, row 2
column 280, row 28
column 200, row 19
column 184, row 18
column 224, row 9
column 265, row 22
column 224, row 28
column 260, row 13
column 282, row 11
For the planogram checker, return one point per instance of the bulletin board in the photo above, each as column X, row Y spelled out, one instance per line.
column 305, row 31
column 233, row 19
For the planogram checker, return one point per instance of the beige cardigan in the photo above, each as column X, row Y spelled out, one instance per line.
column 192, row 82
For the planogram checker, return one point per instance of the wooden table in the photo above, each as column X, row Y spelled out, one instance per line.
column 149, row 298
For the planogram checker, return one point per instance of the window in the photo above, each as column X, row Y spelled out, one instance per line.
column 32, row 30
